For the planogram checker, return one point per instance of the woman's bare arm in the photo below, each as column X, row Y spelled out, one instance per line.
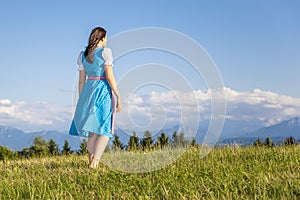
column 82, row 80
column 113, row 84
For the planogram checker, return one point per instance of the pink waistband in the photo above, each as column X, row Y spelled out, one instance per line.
column 97, row 78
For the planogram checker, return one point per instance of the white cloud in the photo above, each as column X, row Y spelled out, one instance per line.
column 267, row 107
column 5, row 102
column 34, row 115
column 158, row 109
column 291, row 111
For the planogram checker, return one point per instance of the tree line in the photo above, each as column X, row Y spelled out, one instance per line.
column 147, row 143
column 43, row 148
column 268, row 142
column 40, row 148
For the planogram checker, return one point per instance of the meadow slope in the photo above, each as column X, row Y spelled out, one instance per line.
column 225, row 173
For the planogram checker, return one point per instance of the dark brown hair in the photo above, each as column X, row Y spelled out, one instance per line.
column 96, row 35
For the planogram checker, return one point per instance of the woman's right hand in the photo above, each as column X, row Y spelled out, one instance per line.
column 119, row 105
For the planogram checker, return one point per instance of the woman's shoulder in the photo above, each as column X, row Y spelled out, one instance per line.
column 79, row 61
column 107, row 53
column 107, row 50
column 107, row 56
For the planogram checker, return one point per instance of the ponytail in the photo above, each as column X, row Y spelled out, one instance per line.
column 96, row 36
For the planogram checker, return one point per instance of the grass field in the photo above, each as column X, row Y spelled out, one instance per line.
column 225, row 173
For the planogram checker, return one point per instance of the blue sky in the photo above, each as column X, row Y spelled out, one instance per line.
column 255, row 44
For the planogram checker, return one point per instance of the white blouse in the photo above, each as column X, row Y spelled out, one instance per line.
column 106, row 54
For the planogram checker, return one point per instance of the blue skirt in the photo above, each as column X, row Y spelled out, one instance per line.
column 94, row 110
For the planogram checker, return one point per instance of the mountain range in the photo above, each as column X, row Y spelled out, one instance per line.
column 277, row 133
column 16, row 139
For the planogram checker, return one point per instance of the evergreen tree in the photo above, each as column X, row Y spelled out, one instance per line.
column 257, row 142
column 133, row 142
column 24, row 153
column 182, row 141
column 162, row 140
column 117, row 144
column 66, row 148
column 53, row 147
column 83, row 147
column 147, row 141
column 175, row 139
column 6, row 153
column 193, row 143
column 39, row 147
column 290, row 141
column 268, row 142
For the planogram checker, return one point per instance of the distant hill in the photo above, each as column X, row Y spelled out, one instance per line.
column 233, row 132
column 284, row 129
column 16, row 139
column 13, row 138
column 278, row 133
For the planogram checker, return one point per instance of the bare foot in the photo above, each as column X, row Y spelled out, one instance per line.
column 90, row 158
column 94, row 164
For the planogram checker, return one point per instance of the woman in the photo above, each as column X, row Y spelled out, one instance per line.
column 94, row 114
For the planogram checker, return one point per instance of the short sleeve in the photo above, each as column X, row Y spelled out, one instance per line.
column 107, row 56
column 79, row 62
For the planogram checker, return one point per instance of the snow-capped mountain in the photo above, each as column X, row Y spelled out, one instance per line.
column 278, row 133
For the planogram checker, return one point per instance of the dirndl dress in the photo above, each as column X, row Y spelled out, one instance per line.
column 94, row 111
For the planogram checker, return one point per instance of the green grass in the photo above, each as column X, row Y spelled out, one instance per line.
column 225, row 173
